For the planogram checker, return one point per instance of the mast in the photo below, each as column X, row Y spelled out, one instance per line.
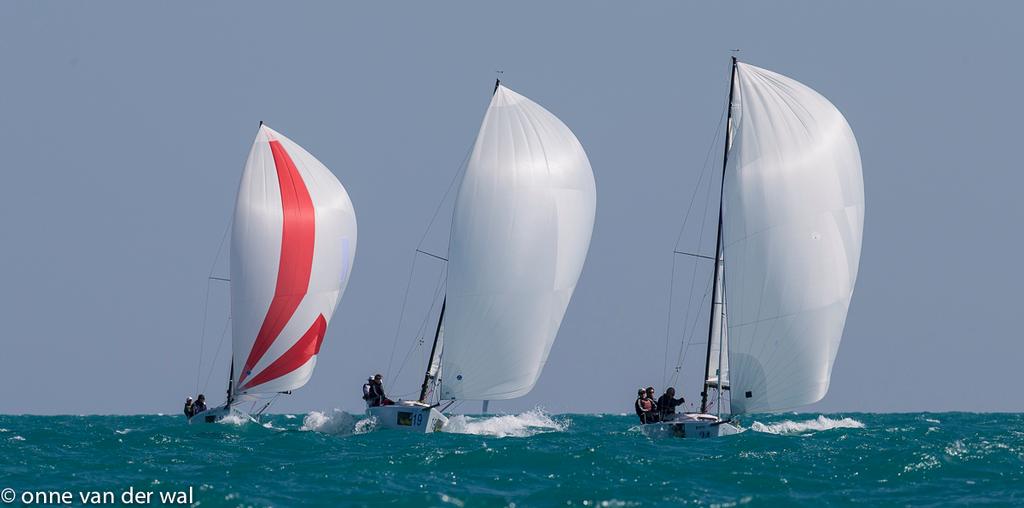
column 433, row 351
column 231, row 382
column 718, row 248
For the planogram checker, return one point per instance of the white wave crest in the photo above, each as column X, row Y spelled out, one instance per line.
column 526, row 424
column 234, row 418
column 819, row 424
column 337, row 422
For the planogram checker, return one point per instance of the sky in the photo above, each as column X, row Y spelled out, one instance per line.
column 124, row 127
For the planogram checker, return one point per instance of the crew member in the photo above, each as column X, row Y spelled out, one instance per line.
column 637, row 404
column 200, row 404
column 378, row 391
column 667, row 404
column 652, row 416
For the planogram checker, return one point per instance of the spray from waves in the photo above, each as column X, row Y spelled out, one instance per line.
column 821, row 423
column 337, row 422
column 234, row 418
column 527, row 424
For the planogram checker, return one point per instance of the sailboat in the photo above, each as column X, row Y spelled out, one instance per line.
column 520, row 232
column 790, row 222
column 292, row 245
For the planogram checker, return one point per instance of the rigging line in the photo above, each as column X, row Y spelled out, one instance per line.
column 451, row 185
column 700, row 243
column 668, row 325
column 675, row 246
column 412, row 269
column 435, row 256
column 419, row 332
column 213, row 363
column 693, row 255
column 684, row 339
column 683, row 347
column 401, row 313
column 704, row 167
column 206, row 303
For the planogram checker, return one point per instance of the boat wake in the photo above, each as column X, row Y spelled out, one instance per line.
column 527, row 424
column 821, row 423
column 337, row 422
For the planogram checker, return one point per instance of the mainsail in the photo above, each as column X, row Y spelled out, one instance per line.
column 718, row 346
column 520, row 233
column 292, row 246
column 793, row 214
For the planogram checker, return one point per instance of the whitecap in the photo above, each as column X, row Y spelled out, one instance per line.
column 234, row 418
column 337, row 422
column 17, row 438
column 819, row 424
column 270, row 425
column 123, row 431
column 290, row 417
column 526, row 424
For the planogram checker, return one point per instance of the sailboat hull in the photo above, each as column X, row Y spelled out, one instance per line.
column 409, row 416
column 695, row 426
column 217, row 414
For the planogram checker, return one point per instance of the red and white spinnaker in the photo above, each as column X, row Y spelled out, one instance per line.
column 292, row 246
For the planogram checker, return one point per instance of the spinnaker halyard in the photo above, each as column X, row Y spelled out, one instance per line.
column 789, row 238
column 520, row 232
column 292, row 246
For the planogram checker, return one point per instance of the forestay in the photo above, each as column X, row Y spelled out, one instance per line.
column 292, row 246
column 793, row 219
column 520, row 233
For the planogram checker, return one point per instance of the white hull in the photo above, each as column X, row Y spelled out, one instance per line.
column 692, row 425
column 407, row 415
column 217, row 414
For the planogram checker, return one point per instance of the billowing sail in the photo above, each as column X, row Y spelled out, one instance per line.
column 292, row 246
column 793, row 220
column 520, row 234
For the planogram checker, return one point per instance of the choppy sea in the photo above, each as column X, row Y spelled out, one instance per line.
column 532, row 459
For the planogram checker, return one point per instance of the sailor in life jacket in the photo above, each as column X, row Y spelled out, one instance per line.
column 369, row 395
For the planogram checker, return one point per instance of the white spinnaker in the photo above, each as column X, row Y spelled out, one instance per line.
column 793, row 221
column 520, row 233
column 291, row 256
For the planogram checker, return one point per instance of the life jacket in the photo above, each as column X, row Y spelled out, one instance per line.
column 646, row 404
column 368, row 391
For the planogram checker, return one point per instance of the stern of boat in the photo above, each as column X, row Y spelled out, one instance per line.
column 689, row 425
column 408, row 415
column 217, row 414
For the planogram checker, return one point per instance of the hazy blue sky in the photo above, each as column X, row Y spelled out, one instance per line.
column 124, row 127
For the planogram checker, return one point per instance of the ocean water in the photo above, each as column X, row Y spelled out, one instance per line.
column 532, row 459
